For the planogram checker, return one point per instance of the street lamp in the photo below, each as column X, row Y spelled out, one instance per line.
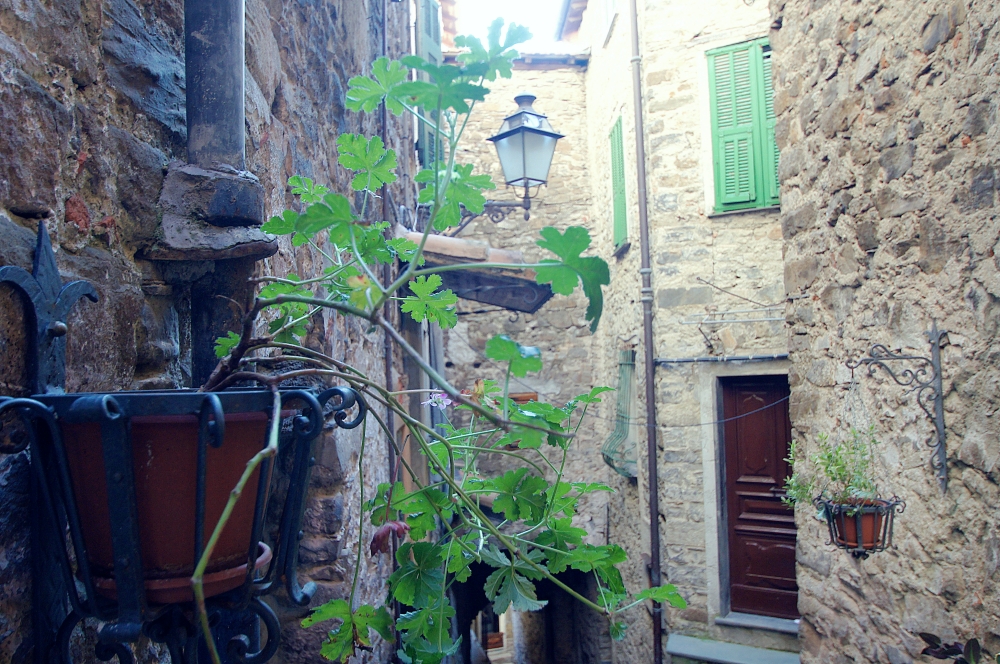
column 525, row 145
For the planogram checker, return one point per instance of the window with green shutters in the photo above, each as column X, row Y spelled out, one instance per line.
column 744, row 154
column 618, row 185
column 428, row 33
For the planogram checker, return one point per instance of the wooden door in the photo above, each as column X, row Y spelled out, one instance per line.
column 761, row 528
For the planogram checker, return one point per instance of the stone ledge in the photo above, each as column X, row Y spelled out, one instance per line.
column 752, row 210
column 751, row 621
column 718, row 652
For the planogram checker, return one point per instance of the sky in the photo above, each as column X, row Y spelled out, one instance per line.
column 541, row 16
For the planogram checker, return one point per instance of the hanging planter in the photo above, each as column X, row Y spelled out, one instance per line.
column 165, row 457
column 840, row 481
column 137, row 480
column 863, row 527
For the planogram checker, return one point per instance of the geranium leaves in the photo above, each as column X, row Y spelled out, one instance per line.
column 497, row 57
column 590, row 271
column 419, row 578
column 353, row 631
column 508, row 585
column 366, row 93
column 427, row 303
column 464, row 189
column 368, row 158
column 521, row 359
column 520, row 496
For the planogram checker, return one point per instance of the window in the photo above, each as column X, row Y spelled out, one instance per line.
column 428, row 33
column 744, row 154
column 609, row 12
column 618, row 185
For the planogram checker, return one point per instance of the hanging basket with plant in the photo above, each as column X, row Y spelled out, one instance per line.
column 842, row 480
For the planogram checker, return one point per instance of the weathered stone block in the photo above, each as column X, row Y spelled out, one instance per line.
column 143, row 65
column 982, row 187
column 897, row 161
column 30, row 172
column 799, row 220
column 941, row 27
column 800, row 274
column 677, row 297
column 980, row 117
column 892, row 204
column 868, row 61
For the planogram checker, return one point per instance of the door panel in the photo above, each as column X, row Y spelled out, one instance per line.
column 761, row 529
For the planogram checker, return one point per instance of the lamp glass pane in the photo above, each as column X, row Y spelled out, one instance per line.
column 538, row 151
column 510, row 150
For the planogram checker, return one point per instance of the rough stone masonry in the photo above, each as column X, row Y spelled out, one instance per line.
column 92, row 110
column 889, row 148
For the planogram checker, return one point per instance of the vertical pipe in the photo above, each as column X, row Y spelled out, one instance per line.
column 213, row 65
column 647, row 333
column 387, row 269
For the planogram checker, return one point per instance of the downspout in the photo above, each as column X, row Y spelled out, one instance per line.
column 647, row 334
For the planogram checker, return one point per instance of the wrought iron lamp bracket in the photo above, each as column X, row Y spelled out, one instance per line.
column 921, row 375
column 495, row 211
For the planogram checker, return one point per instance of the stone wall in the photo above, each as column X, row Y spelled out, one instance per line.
column 92, row 110
column 886, row 125
column 558, row 328
column 690, row 252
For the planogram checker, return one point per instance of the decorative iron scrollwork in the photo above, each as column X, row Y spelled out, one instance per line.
column 61, row 565
column 495, row 211
column 863, row 528
column 923, row 377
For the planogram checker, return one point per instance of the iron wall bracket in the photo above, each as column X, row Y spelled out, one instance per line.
column 495, row 211
column 921, row 375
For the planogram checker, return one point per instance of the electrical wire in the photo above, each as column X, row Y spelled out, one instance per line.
column 636, row 423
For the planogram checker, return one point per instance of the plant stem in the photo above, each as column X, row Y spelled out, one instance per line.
column 198, row 578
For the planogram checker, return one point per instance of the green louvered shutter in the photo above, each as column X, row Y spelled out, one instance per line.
column 428, row 32
column 770, row 151
column 618, row 185
column 732, row 88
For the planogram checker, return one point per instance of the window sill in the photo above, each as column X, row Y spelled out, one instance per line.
column 621, row 250
column 751, row 621
column 730, row 213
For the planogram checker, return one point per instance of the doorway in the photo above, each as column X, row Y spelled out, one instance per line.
column 760, row 528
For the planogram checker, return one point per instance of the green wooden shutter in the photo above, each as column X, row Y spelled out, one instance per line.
column 618, row 185
column 770, row 151
column 731, row 83
column 428, row 32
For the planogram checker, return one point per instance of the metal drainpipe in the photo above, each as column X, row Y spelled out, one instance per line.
column 213, row 65
column 647, row 333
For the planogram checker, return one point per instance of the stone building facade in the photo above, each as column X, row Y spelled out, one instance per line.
column 93, row 121
column 706, row 266
column 885, row 119
column 889, row 144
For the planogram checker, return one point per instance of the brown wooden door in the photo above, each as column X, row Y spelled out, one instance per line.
column 761, row 527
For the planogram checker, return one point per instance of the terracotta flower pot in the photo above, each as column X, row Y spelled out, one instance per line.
column 164, row 452
column 847, row 517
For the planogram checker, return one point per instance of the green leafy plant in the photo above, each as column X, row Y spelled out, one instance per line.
column 443, row 526
column 841, row 472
